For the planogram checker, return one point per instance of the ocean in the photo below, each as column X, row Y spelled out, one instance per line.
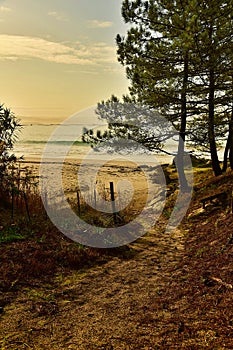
column 33, row 139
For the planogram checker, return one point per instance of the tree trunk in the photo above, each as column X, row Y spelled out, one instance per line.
column 211, row 132
column 231, row 141
column 180, row 156
column 229, row 146
column 231, row 154
column 226, row 152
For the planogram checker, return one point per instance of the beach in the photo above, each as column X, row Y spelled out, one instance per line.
column 130, row 180
column 133, row 177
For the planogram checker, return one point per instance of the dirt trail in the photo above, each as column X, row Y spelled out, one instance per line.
column 118, row 305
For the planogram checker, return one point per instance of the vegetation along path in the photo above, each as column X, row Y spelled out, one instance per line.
column 115, row 306
column 165, row 291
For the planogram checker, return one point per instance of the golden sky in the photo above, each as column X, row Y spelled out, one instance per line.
column 58, row 57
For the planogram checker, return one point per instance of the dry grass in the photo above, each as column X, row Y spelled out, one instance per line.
column 165, row 291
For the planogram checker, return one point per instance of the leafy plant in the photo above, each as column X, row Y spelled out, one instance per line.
column 9, row 127
column 12, row 233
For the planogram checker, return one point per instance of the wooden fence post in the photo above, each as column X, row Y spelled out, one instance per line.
column 113, row 202
column 95, row 197
column 231, row 201
column 26, row 205
column 78, row 200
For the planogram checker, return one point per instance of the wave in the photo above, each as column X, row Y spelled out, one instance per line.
column 43, row 142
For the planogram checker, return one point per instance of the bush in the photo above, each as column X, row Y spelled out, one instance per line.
column 9, row 127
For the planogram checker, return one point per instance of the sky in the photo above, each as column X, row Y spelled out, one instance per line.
column 58, row 57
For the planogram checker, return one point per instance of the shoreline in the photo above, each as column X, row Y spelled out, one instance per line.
column 129, row 179
column 111, row 160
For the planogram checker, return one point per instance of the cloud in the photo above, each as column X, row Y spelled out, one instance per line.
column 5, row 9
column 15, row 47
column 58, row 16
column 101, row 52
column 99, row 24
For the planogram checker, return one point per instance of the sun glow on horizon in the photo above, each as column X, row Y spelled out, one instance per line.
column 57, row 60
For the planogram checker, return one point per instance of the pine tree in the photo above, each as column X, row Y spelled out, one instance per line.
column 178, row 59
column 212, row 33
column 156, row 53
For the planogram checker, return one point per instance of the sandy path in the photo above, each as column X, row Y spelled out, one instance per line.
column 114, row 306
column 117, row 305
